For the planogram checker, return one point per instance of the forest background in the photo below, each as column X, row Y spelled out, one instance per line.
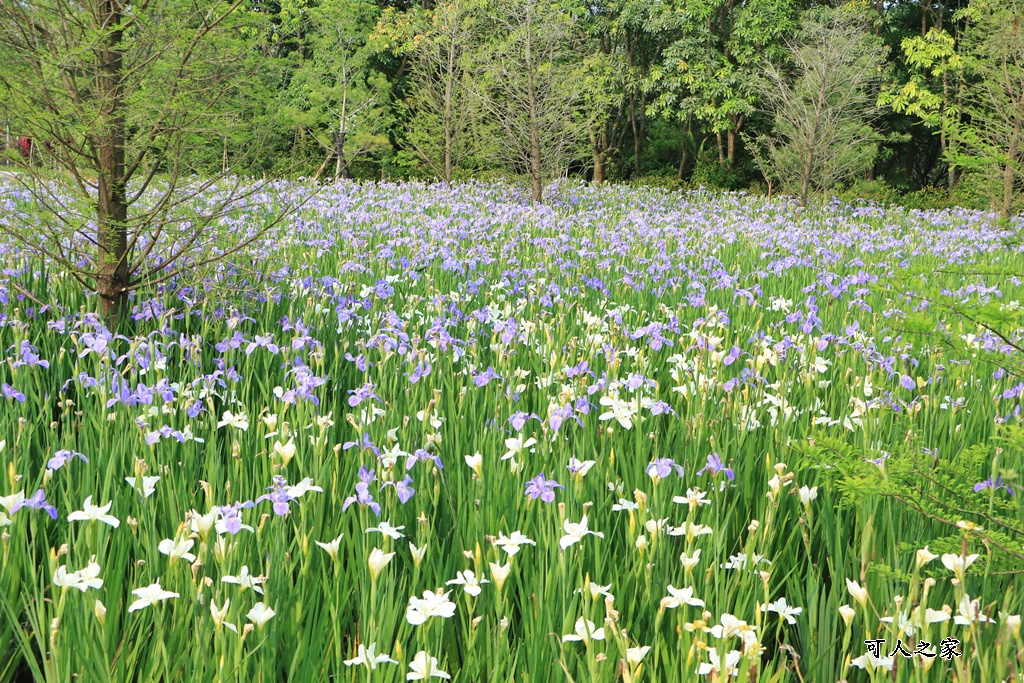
column 919, row 103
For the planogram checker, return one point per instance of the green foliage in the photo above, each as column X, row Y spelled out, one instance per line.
column 708, row 172
column 443, row 112
column 877, row 191
column 990, row 138
column 927, row 95
column 821, row 104
column 712, row 68
column 657, row 84
column 336, row 95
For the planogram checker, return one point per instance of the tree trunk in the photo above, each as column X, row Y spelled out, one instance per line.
column 945, row 140
column 112, row 202
column 944, row 154
column 1010, row 170
column 537, row 190
column 448, row 149
column 336, row 138
column 340, row 167
column 950, row 168
column 684, row 156
column 639, row 133
column 912, row 162
column 537, row 194
column 637, row 149
column 597, row 153
column 316, row 176
column 731, row 147
column 632, row 127
column 449, row 111
column 805, row 180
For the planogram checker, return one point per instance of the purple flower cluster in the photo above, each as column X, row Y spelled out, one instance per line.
column 543, row 488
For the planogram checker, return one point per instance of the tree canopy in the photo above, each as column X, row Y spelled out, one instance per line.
column 607, row 90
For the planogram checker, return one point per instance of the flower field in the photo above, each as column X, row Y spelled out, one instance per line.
column 431, row 432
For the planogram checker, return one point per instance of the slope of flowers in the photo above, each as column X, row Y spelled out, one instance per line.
column 436, row 432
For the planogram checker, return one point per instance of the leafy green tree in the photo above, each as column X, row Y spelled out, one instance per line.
column 934, row 92
column 712, row 70
column 440, row 127
column 114, row 95
column 336, row 93
column 823, row 104
column 992, row 139
column 641, row 30
column 603, row 85
column 530, row 85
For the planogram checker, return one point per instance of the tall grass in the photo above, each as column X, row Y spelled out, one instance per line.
column 714, row 383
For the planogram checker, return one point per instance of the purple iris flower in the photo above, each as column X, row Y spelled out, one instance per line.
column 233, row 342
column 715, row 465
column 582, row 368
column 367, row 476
column 230, row 515
column 599, row 385
column 422, row 370
column 509, row 332
column 62, row 457
column 482, row 379
column 306, row 382
column 365, row 443
column 359, row 360
column 635, row 381
column 164, row 432
column 266, row 342
column 560, row 415
column 994, row 484
column 907, row 382
column 661, row 408
column 517, row 420
column 575, row 466
column 363, row 497
column 403, row 488
column 424, row 455
column 361, row 394
column 662, row 468
column 278, row 496
column 655, row 338
column 879, row 462
column 543, row 488
column 733, row 356
column 29, row 356
column 166, row 391
column 36, row 502
column 11, row 393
